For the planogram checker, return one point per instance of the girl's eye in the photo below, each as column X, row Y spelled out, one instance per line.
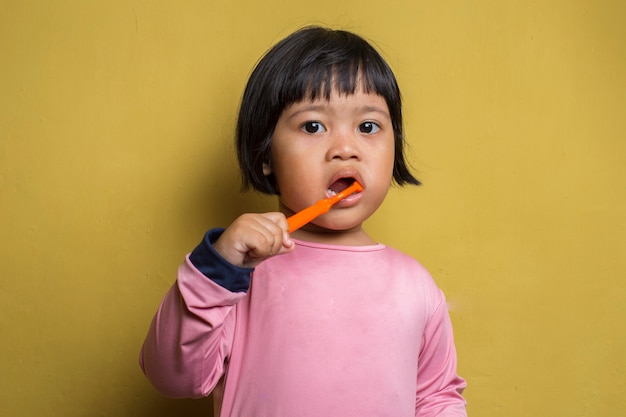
column 369, row 127
column 313, row 127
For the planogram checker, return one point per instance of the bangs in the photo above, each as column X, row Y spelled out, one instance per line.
column 342, row 70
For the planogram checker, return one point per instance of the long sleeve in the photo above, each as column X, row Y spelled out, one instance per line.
column 439, row 388
column 191, row 335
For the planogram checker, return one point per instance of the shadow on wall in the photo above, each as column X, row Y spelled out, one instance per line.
column 167, row 407
column 225, row 188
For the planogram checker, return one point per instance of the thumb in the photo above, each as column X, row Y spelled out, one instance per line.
column 288, row 243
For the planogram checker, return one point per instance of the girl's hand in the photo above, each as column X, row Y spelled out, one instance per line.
column 254, row 237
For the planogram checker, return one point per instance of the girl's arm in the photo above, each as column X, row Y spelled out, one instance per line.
column 439, row 388
column 190, row 337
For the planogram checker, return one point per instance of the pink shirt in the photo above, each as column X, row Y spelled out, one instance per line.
column 323, row 331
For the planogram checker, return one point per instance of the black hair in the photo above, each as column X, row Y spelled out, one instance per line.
column 308, row 64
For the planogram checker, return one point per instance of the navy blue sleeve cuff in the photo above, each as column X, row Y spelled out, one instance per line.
column 206, row 259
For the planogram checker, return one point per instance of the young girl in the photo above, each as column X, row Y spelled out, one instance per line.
column 324, row 321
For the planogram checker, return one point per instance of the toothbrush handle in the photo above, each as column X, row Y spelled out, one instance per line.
column 303, row 217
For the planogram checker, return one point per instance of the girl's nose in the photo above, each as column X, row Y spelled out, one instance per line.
column 343, row 146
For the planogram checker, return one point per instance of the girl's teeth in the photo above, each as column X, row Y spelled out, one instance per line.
column 331, row 192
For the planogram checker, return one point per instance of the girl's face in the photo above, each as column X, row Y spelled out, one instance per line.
column 319, row 147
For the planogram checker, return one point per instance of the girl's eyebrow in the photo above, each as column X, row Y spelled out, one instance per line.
column 376, row 109
column 307, row 108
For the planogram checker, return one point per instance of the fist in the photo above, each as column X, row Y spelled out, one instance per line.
column 254, row 237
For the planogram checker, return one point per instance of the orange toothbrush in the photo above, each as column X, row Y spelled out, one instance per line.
column 303, row 217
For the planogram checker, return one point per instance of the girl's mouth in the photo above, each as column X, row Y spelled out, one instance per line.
column 340, row 185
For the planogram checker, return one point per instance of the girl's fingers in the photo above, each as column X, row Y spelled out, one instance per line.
column 251, row 238
column 269, row 238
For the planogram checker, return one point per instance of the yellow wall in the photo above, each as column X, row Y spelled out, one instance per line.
column 116, row 120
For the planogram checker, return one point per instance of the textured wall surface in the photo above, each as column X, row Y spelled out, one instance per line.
column 116, row 126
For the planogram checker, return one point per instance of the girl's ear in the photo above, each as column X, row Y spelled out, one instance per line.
column 267, row 169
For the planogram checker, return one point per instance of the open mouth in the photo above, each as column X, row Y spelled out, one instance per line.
column 340, row 185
